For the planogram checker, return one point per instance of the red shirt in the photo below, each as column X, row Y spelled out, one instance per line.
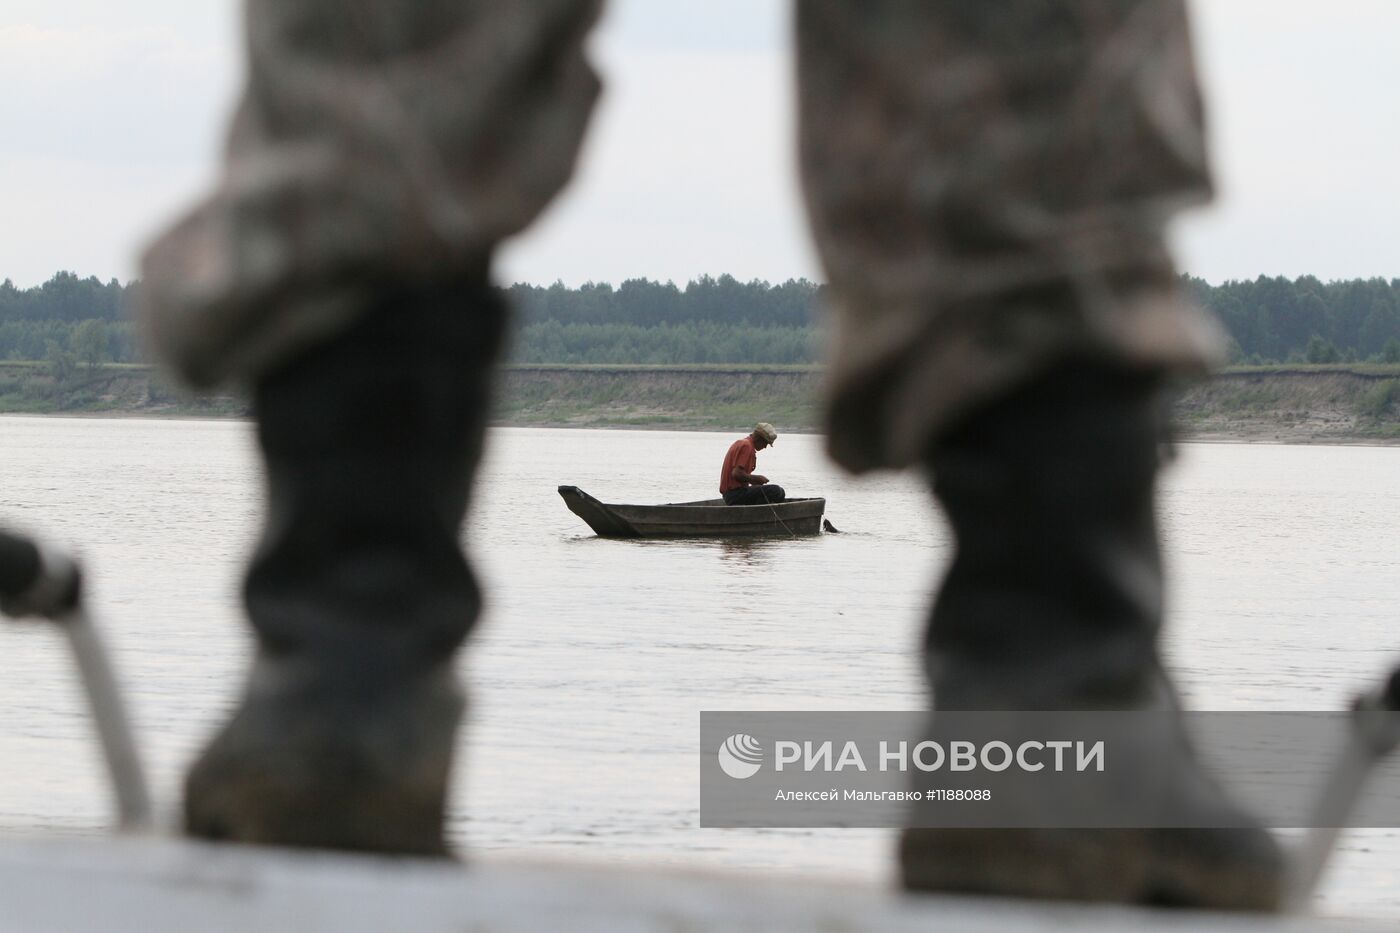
column 741, row 453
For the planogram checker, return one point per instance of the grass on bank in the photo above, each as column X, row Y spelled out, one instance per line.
column 1339, row 400
column 1371, row 370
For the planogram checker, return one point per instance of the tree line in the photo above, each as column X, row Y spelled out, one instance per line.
column 723, row 320
column 1279, row 320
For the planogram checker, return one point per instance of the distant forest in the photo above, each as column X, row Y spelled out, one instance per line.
column 70, row 320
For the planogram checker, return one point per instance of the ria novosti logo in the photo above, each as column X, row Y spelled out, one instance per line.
column 740, row 756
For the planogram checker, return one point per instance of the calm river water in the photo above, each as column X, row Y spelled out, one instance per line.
column 594, row 657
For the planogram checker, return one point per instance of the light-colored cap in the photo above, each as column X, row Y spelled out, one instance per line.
column 765, row 430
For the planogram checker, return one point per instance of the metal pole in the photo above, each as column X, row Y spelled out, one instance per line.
column 1375, row 734
column 35, row 581
column 109, row 715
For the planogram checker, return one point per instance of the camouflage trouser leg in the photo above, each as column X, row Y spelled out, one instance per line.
column 382, row 149
column 988, row 185
column 988, row 182
column 379, row 143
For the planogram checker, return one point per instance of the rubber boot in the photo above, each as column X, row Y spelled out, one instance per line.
column 1053, row 601
column 359, row 593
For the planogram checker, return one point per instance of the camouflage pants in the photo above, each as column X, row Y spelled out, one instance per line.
column 988, row 184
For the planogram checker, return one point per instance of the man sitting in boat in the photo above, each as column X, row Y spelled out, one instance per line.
column 738, row 482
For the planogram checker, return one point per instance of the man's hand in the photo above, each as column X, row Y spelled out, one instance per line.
column 756, row 480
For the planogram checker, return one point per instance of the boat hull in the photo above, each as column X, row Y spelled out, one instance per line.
column 708, row 518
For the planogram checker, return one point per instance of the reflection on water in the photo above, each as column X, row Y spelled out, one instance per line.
column 745, row 554
column 594, row 657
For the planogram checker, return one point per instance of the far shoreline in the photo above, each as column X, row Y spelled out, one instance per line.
column 1283, row 436
column 1346, row 405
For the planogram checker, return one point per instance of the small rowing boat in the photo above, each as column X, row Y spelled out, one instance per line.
column 708, row 518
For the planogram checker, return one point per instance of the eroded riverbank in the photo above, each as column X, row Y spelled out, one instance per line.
column 1304, row 404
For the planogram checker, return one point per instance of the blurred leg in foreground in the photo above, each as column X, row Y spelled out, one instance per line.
column 340, row 270
column 988, row 184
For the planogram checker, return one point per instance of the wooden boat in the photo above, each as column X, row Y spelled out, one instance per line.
column 708, row 518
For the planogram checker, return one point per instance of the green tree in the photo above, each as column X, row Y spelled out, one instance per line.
column 91, row 342
column 1321, row 351
column 62, row 363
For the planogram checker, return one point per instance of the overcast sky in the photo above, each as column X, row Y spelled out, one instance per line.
column 112, row 114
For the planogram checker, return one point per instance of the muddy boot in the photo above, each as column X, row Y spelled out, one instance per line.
column 1053, row 602
column 359, row 592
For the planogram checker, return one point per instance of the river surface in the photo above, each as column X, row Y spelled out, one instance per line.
column 594, row 657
